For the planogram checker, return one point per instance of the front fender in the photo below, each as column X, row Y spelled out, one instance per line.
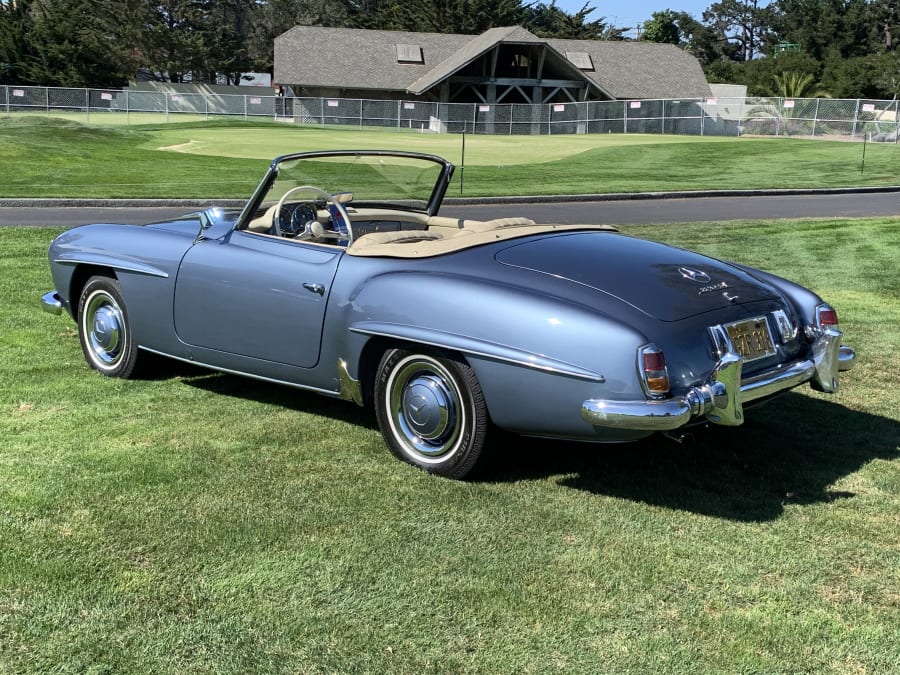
column 144, row 260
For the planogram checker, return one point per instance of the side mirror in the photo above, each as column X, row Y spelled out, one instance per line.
column 209, row 217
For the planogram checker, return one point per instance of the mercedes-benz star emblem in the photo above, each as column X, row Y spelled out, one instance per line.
column 694, row 275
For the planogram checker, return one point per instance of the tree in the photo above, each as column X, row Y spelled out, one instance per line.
column 15, row 49
column 195, row 40
column 224, row 36
column 550, row 21
column 366, row 13
column 680, row 28
column 874, row 76
column 72, row 43
column 662, row 27
column 885, row 17
column 823, row 28
column 270, row 18
column 742, row 22
column 467, row 17
column 791, row 84
column 759, row 74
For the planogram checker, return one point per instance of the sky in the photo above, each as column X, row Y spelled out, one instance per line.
column 622, row 13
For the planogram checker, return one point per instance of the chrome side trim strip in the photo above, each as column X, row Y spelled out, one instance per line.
column 476, row 347
column 229, row 371
column 105, row 261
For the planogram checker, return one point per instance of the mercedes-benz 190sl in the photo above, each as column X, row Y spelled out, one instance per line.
column 340, row 277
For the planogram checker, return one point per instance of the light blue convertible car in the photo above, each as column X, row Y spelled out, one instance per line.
column 339, row 277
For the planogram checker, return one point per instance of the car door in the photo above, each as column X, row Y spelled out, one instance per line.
column 255, row 296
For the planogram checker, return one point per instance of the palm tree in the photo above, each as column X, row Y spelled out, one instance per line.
column 791, row 84
column 781, row 109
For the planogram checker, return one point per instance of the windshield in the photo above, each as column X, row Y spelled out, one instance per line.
column 388, row 180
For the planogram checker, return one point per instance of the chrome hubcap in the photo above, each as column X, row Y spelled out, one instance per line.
column 425, row 408
column 105, row 326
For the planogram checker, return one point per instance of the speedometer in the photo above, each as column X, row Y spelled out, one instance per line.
column 293, row 219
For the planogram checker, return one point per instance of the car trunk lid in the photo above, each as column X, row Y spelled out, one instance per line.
column 666, row 283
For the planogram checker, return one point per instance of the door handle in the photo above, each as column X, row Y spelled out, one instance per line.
column 315, row 288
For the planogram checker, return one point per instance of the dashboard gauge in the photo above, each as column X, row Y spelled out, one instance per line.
column 293, row 221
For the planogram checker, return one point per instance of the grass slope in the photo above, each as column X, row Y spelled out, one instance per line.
column 51, row 158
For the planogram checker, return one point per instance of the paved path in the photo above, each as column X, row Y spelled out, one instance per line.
column 606, row 210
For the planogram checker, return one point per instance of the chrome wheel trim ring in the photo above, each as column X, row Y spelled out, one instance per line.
column 425, row 409
column 103, row 325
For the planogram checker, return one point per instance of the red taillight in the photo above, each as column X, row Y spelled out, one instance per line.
column 654, row 373
column 826, row 316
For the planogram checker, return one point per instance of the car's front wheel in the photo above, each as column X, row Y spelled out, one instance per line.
column 431, row 411
column 103, row 328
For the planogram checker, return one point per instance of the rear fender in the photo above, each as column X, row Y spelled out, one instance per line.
column 503, row 332
column 803, row 300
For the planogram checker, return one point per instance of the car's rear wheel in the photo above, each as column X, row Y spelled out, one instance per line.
column 431, row 411
column 104, row 330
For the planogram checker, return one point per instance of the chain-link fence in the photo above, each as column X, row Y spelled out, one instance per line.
column 854, row 119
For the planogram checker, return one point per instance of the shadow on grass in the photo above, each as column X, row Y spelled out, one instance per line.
column 237, row 386
column 789, row 451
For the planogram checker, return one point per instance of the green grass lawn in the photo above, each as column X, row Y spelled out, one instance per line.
column 198, row 522
column 43, row 157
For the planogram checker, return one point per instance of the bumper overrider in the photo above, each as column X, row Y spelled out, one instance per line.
column 722, row 398
column 51, row 302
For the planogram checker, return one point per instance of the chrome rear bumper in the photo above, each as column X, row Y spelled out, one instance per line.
column 722, row 398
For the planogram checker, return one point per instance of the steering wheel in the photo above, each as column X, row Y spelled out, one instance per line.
column 314, row 228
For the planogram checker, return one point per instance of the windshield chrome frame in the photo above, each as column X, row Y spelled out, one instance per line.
column 434, row 201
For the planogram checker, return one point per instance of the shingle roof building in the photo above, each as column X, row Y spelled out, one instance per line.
column 502, row 65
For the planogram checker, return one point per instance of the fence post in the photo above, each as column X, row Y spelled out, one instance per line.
column 702, row 108
column 855, row 120
column 47, row 99
column 816, row 118
column 625, row 117
column 399, row 114
column 87, row 104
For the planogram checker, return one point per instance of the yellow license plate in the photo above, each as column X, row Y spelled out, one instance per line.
column 751, row 338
